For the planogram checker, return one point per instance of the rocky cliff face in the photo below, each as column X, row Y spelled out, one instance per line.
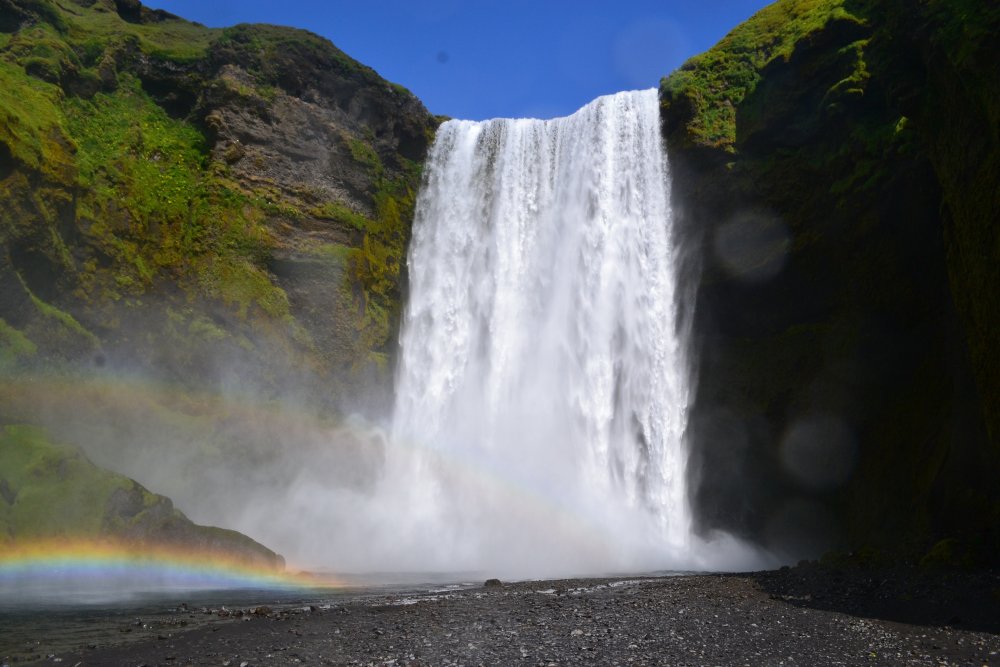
column 219, row 212
column 836, row 169
column 195, row 201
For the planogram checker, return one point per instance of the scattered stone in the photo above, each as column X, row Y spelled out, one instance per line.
column 762, row 618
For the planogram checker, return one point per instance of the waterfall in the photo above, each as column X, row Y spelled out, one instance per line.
column 541, row 391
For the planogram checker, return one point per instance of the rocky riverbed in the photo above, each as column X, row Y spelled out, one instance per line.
column 801, row 616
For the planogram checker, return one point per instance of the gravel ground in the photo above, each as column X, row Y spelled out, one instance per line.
column 803, row 616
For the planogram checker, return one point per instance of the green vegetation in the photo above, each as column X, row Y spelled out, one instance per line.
column 949, row 553
column 52, row 489
column 48, row 490
column 43, row 54
column 124, row 136
column 14, row 346
column 266, row 51
column 377, row 264
column 363, row 152
column 154, row 207
column 342, row 214
column 52, row 317
column 714, row 83
column 31, row 122
column 119, row 211
column 144, row 192
column 243, row 286
column 335, row 252
column 172, row 39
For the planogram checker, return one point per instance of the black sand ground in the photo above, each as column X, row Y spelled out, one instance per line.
column 802, row 616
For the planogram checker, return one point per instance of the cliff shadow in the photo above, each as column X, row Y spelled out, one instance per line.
column 968, row 600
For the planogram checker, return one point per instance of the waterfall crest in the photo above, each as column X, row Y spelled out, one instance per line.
column 541, row 394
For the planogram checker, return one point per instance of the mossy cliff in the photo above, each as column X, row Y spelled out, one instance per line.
column 837, row 171
column 213, row 211
column 194, row 200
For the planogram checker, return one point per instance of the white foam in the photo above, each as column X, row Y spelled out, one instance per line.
column 541, row 396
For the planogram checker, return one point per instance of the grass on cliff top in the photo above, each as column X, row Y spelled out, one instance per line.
column 33, row 61
column 716, row 81
column 263, row 48
column 99, row 24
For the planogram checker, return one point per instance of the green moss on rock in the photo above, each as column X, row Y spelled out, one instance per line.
column 14, row 346
column 708, row 88
column 161, row 214
column 50, row 490
column 126, row 191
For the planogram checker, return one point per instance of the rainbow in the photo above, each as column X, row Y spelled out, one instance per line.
column 136, row 567
column 83, row 401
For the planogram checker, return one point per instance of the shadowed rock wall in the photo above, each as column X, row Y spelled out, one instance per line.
column 834, row 164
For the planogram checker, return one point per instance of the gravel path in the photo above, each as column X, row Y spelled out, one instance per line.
column 790, row 617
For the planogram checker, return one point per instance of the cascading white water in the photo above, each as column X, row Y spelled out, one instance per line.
column 541, row 394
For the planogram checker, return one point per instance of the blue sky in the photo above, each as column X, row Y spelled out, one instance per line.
column 481, row 59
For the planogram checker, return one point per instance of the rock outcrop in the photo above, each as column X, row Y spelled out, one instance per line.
column 50, row 490
column 836, row 167
column 211, row 205
column 209, row 212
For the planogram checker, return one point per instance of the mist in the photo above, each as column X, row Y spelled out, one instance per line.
column 338, row 496
column 539, row 420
